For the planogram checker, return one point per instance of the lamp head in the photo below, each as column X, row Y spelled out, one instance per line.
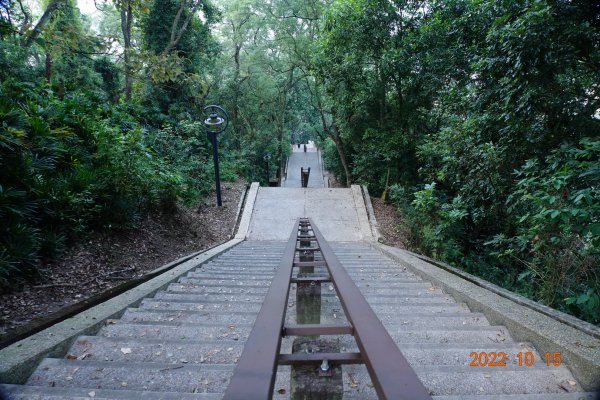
column 214, row 122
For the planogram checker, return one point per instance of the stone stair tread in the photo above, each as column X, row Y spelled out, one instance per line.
column 157, row 350
column 195, row 288
column 398, row 323
column 376, row 284
column 167, row 330
column 227, row 274
column 227, row 278
column 508, row 380
column 24, row 392
column 223, row 306
column 234, row 317
column 463, row 381
column 117, row 375
column 455, row 335
column 204, row 298
column 227, row 282
column 402, row 291
column 424, row 308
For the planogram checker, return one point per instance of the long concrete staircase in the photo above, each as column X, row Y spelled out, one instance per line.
column 183, row 343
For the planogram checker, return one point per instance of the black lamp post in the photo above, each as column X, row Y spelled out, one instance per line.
column 267, row 157
column 216, row 124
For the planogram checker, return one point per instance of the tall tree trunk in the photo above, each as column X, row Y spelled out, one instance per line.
column 61, row 88
column 35, row 32
column 280, row 128
column 48, row 69
column 339, row 146
column 333, row 132
column 236, row 94
column 176, row 31
column 126, row 23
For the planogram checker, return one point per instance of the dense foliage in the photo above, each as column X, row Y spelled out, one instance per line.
column 75, row 154
column 480, row 119
column 484, row 118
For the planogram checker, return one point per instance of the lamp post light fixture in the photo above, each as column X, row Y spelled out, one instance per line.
column 267, row 157
column 216, row 123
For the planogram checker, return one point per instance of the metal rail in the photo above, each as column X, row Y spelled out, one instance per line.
column 254, row 375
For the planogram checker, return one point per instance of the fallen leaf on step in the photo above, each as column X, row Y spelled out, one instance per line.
column 572, row 382
column 281, row 391
column 353, row 381
column 92, row 394
column 125, row 350
column 71, row 357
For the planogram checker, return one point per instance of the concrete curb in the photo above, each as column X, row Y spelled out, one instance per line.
column 244, row 226
column 371, row 214
column 570, row 320
column 361, row 211
column 239, row 211
column 579, row 350
column 21, row 358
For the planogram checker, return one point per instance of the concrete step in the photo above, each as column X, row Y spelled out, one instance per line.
column 393, row 271
column 238, row 276
column 96, row 348
column 175, row 330
column 206, row 298
column 195, row 288
column 195, row 317
column 409, row 290
column 396, row 323
column 248, row 259
column 462, row 381
column 374, row 298
column 18, row 392
column 421, row 354
column 394, row 285
column 152, row 377
column 390, row 279
column 236, row 305
column 413, row 299
column 228, row 274
column 426, row 308
column 248, row 264
column 452, row 380
column 455, row 335
column 227, row 282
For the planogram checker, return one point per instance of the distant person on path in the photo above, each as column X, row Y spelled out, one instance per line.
column 305, row 148
column 298, row 145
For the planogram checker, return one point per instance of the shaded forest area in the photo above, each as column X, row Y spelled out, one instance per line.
column 479, row 120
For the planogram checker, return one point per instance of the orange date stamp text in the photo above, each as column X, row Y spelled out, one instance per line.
column 523, row 358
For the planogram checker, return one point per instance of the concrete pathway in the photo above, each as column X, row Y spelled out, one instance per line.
column 340, row 214
column 299, row 159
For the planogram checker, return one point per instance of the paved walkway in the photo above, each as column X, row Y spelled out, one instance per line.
column 300, row 159
column 340, row 214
